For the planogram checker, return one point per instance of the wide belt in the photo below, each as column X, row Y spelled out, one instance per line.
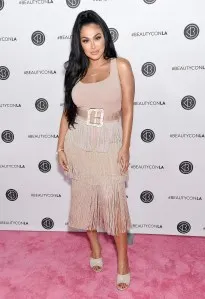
column 96, row 116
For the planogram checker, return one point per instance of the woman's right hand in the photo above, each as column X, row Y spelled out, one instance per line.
column 62, row 160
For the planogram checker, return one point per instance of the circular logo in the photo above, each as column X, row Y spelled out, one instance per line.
column 38, row 38
column 11, row 194
column 191, row 31
column 185, row 167
column 41, row 105
column 73, row 3
column 7, row 136
column 114, row 33
column 1, row 4
column 4, row 73
column 146, row 196
column 148, row 69
column 183, row 227
column 44, row 166
column 147, row 135
column 188, row 102
column 47, row 223
column 149, row 1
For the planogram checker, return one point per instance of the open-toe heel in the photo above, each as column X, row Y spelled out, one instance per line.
column 96, row 263
column 123, row 278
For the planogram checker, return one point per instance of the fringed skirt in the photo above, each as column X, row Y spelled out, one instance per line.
column 98, row 196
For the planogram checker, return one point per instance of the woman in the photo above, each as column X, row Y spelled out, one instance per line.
column 94, row 138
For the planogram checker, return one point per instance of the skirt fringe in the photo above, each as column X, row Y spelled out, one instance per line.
column 103, row 206
column 95, row 139
column 98, row 197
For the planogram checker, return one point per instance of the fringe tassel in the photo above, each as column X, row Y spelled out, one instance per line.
column 103, row 206
column 115, row 209
column 93, row 167
column 97, row 139
column 98, row 198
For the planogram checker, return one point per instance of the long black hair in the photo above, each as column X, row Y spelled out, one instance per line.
column 77, row 64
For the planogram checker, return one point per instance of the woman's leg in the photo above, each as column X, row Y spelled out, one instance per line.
column 123, row 263
column 94, row 244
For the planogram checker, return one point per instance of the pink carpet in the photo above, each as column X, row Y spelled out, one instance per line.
column 54, row 265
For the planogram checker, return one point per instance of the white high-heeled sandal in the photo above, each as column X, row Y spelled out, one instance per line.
column 123, row 278
column 96, row 262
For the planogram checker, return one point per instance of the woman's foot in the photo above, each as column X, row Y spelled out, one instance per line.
column 95, row 250
column 96, row 264
column 123, row 269
column 96, row 254
column 123, row 281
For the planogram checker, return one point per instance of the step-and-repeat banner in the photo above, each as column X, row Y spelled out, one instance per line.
column 164, row 42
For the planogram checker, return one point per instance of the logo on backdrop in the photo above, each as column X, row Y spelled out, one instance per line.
column 7, row 136
column 114, row 33
column 19, row 166
column 4, row 73
column 187, row 135
column 188, row 102
column 41, row 105
column 149, row 103
column 148, row 69
column 147, row 135
column 11, row 194
column 147, row 167
column 9, row 105
column 149, row 1
column 13, row 222
column 146, row 196
column 183, row 227
column 44, row 166
column 186, row 167
column 191, row 31
column 40, row 72
column 43, row 136
column 46, row 195
column 185, row 197
column 23, row 2
column 1, row 4
column 8, row 39
column 149, row 33
column 47, row 223
column 146, row 225
column 64, row 36
column 38, row 38
column 188, row 68
column 73, row 3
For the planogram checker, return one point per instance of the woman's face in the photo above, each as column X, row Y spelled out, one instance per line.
column 92, row 41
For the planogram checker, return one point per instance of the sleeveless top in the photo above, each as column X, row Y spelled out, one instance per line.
column 104, row 94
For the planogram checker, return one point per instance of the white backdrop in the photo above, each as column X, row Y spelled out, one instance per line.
column 164, row 41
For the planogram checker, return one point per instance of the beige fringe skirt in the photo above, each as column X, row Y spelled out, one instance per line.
column 98, row 197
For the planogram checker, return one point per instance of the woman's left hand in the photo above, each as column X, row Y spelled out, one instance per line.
column 123, row 159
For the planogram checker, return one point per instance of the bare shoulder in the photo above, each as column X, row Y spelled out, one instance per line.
column 124, row 67
column 123, row 64
column 124, row 70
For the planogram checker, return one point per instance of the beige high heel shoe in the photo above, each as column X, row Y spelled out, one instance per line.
column 96, row 262
column 123, row 278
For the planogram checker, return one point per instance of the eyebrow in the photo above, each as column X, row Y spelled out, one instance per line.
column 93, row 36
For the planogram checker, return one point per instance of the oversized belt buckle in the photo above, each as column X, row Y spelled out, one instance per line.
column 95, row 117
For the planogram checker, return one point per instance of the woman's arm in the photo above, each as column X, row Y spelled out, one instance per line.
column 62, row 131
column 128, row 91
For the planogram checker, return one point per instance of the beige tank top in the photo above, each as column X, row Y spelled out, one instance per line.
column 104, row 94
